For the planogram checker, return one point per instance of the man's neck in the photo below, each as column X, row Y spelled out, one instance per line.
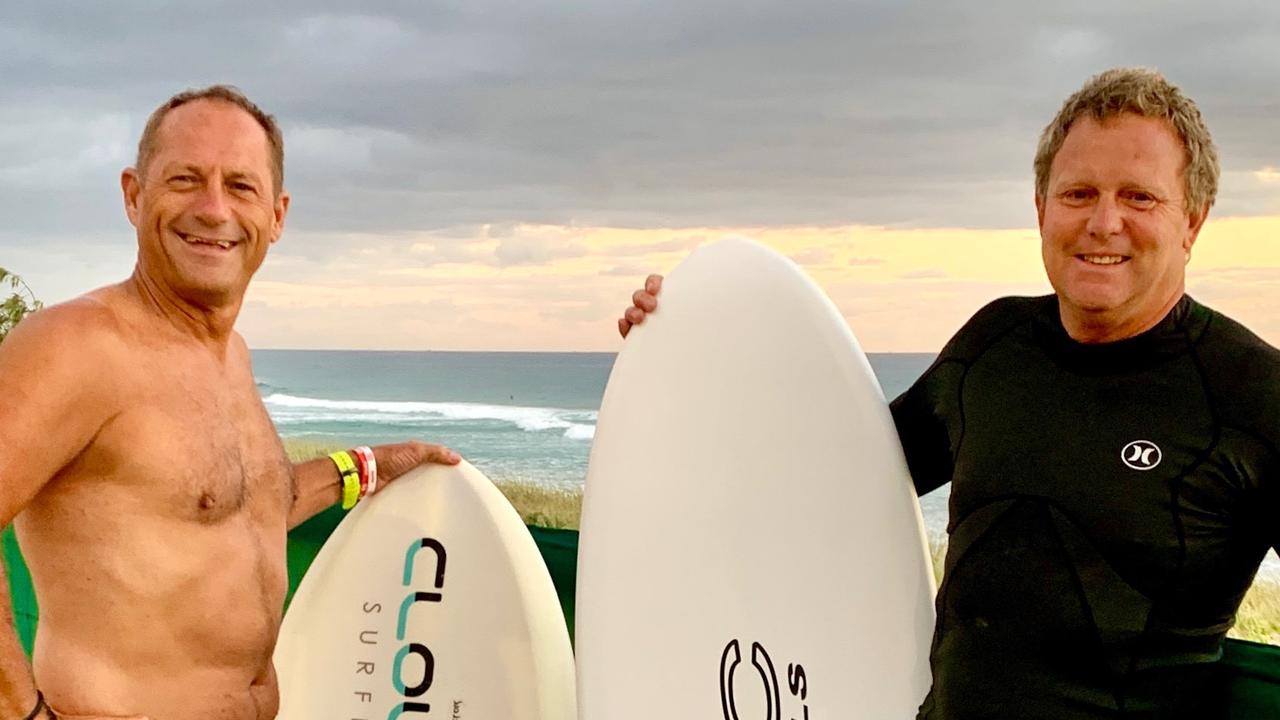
column 207, row 323
column 1106, row 327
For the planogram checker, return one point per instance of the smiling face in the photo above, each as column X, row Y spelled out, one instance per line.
column 204, row 206
column 1115, row 233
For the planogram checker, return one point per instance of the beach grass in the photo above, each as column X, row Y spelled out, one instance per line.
column 1258, row 619
column 544, row 506
column 1259, row 616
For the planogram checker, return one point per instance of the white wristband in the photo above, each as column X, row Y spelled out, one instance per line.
column 372, row 464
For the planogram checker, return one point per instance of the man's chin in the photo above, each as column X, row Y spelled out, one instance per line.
column 211, row 295
column 1096, row 299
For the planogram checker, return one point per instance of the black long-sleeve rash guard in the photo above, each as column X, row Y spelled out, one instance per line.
column 1110, row 505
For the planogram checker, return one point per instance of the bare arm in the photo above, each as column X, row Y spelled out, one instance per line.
column 318, row 480
column 53, row 406
column 317, row 483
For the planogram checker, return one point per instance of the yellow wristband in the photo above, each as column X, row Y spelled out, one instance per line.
column 350, row 478
column 350, row 490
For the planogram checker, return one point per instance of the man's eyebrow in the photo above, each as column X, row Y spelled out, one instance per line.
column 243, row 175
column 173, row 167
column 236, row 174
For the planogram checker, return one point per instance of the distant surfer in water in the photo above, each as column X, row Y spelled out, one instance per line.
column 1113, row 448
column 150, row 489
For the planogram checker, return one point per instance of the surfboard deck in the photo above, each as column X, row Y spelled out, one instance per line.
column 430, row 599
column 751, row 542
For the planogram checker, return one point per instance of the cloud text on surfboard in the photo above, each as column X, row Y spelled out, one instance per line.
column 419, row 649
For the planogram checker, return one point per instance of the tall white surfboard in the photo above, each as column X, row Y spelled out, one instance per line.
column 751, row 545
column 429, row 600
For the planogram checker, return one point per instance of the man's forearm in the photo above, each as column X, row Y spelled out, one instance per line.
column 17, row 685
column 319, row 486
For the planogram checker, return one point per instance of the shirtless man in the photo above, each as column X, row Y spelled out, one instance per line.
column 149, row 489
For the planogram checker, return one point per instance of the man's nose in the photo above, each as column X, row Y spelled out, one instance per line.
column 211, row 205
column 1107, row 218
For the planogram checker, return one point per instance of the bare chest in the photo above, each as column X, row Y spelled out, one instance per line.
column 197, row 447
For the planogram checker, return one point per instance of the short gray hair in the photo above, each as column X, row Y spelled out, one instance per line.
column 1144, row 92
column 219, row 93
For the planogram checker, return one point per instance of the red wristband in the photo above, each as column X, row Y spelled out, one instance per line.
column 362, row 465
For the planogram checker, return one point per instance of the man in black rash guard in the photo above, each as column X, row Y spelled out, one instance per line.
column 1110, row 505
column 1114, row 448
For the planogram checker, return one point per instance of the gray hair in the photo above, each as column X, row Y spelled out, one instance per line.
column 1144, row 92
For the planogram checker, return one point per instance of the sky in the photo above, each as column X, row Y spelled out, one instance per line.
column 500, row 176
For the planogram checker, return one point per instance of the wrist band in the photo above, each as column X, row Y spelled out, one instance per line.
column 35, row 711
column 350, row 478
column 362, row 466
column 371, row 467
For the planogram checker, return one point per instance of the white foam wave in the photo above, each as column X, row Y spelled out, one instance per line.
column 580, row 432
column 293, row 410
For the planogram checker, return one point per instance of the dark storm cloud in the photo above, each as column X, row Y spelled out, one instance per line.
column 416, row 116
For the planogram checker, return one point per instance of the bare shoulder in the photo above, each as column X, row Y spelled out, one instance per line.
column 71, row 336
column 55, row 378
column 69, row 354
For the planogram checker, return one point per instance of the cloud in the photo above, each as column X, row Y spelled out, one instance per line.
column 1220, row 284
column 424, row 140
column 535, row 250
column 677, row 244
column 813, row 256
column 444, row 252
column 628, row 271
column 1240, row 274
column 865, row 261
column 406, row 118
column 931, row 274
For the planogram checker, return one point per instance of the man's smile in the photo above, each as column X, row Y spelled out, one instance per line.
column 1095, row 259
column 225, row 244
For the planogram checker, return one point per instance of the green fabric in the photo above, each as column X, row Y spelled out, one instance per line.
column 560, row 551
column 1254, row 668
column 1255, row 679
column 20, row 590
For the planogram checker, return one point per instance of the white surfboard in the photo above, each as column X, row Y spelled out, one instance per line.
column 429, row 600
column 751, row 544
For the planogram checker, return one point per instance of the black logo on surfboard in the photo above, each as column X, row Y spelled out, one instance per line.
column 797, row 683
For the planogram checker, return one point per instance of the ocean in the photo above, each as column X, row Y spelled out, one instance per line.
column 515, row 416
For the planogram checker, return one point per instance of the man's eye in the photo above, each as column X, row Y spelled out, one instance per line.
column 1142, row 199
column 1077, row 195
